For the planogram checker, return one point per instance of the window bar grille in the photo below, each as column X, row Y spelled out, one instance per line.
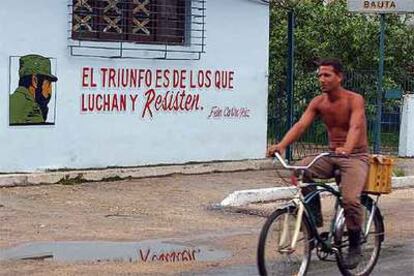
column 169, row 29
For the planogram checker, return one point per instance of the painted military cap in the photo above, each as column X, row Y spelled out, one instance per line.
column 36, row 64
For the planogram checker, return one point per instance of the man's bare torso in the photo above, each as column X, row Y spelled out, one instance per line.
column 336, row 115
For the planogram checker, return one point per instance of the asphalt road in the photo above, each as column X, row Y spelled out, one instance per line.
column 397, row 259
column 165, row 215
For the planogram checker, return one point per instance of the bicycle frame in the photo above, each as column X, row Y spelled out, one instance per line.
column 337, row 222
column 371, row 216
column 301, row 201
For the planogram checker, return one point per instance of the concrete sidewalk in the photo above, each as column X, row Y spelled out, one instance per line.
column 244, row 197
column 78, row 176
column 404, row 166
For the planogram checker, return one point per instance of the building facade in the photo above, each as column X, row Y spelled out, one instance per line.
column 100, row 83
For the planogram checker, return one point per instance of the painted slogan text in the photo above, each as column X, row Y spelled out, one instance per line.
column 149, row 91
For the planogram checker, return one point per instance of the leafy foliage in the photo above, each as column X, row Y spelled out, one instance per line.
column 330, row 30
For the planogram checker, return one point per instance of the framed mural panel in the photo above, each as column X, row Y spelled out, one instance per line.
column 32, row 90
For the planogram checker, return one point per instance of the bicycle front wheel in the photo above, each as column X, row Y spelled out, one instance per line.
column 275, row 255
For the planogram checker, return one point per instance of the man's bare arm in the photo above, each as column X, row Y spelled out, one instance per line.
column 297, row 129
column 356, row 124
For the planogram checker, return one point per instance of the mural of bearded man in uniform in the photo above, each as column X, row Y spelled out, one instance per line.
column 29, row 102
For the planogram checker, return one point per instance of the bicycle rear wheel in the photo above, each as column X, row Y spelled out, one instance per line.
column 274, row 253
column 371, row 243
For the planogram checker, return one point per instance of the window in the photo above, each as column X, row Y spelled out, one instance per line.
column 137, row 29
column 143, row 21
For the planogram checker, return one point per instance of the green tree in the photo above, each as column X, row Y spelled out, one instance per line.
column 330, row 30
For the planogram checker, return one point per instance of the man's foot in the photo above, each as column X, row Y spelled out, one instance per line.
column 353, row 257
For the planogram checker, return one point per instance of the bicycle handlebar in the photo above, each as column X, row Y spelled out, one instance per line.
column 292, row 167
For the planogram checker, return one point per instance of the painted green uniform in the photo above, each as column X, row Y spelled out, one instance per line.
column 23, row 108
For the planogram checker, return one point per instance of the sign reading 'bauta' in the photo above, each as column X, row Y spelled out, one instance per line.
column 387, row 6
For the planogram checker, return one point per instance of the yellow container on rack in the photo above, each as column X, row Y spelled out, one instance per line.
column 379, row 175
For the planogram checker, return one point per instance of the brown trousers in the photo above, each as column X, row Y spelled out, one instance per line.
column 354, row 173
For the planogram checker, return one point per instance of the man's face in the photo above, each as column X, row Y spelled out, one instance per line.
column 46, row 88
column 328, row 78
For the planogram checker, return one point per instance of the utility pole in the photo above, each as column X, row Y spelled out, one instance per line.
column 290, row 76
column 377, row 143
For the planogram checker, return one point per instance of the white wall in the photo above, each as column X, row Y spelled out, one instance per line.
column 237, row 40
column 406, row 146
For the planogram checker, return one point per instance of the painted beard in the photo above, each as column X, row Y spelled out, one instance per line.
column 42, row 101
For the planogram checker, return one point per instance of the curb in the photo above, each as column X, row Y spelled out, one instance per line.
column 244, row 197
column 36, row 178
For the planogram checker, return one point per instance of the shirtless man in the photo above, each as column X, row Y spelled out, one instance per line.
column 343, row 113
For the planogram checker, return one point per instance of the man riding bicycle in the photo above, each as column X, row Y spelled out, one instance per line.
column 343, row 113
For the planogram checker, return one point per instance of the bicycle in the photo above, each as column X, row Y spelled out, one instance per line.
column 290, row 234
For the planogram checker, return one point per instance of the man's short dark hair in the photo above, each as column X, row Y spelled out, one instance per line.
column 335, row 63
column 25, row 81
